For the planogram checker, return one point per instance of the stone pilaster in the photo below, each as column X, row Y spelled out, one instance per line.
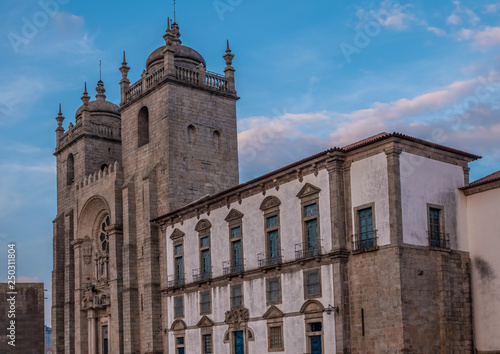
column 348, row 203
column 131, row 339
column 164, row 284
column 69, row 285
column 116, row 288
column 81, row 334
column 58, row 286
column 394, row 179
column 341, row 299
column 337, row 201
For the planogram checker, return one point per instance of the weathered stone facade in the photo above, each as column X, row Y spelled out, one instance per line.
column 171, row 141
column 157, row 249
column 27, row 337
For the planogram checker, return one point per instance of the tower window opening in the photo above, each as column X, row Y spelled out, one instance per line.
column 70, row 164
column 216, row 139
column 143, row 127
column 191, row 134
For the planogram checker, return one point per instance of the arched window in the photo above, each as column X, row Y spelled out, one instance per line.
column 191, row 134
column 70, row 165
column 143, row 127
column 216, row 140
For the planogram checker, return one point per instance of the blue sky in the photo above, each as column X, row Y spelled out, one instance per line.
column 311, row 75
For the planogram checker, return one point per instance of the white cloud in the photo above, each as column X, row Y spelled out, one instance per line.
column 461, row 14
column 489, row 37
column 492, row 8
column 436, row 31
column 453, row 19
column 13, row 96
column 262, row 138
column 465, row 34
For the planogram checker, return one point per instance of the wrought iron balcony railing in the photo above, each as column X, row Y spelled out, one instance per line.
column 174, row 280
column 201, row 274
column 230, row 267
column 439, row 239
column 308, row 249
column 364, row 240
column 270, row 259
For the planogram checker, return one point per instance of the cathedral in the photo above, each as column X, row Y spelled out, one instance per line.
column 375, row 247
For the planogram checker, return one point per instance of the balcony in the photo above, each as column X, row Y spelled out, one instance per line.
column 270, row 259
column 364, row 241
column 308, row 250
column 231, row 267
column 201, row 274
column 174, row 281
column 439, row 240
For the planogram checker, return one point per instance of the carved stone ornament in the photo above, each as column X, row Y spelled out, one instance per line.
column 308, row 190
column 233, row 215
column 203, row 225
column 270, row 202
column 177, row 234
column 273, row 312
column 237, row 315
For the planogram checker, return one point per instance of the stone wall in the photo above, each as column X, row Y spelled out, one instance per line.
column 29, row 319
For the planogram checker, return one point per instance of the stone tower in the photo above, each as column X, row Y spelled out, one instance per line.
column 172, row 140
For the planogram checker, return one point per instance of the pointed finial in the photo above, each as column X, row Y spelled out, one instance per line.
column 60, row 119
column 85, row 98
column 124, row 60
column 174, row 11
column 168, row 23
column 228, row 57
column 100, row 71
column 100, row 91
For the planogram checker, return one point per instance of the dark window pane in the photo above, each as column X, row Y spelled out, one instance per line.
column 272, row 221
column 204, row 241
column 236, row 232
column 311, row 210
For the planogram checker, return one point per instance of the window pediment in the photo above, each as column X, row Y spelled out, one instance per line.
column 270, row 202
column 205, row 322
column 233, row 215
column 177, row 234
column 273, row 312
column 308, row 190
column 203, row 225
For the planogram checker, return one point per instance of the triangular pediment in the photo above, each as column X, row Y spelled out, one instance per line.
column 308, row 190
column 270, row 202
column 177, row 234
column 203, row 225
column 233, row 215
column 273, row 312
column 205, row 322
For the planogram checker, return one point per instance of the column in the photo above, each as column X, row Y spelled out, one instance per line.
column 394, row 179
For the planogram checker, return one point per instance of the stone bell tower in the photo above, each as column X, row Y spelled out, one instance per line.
column 179, row 144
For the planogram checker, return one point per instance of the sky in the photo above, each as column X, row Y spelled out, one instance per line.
column 311, row 75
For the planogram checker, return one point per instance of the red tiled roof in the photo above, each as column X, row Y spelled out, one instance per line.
column 495, row 176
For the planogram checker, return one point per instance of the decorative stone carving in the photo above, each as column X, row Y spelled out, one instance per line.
column 308, row 190
column 177, row 234
column 273, row 312
column 233, row 215
column 205, row 322
column 237, row 315
column 270, row 202
column 203, row 225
